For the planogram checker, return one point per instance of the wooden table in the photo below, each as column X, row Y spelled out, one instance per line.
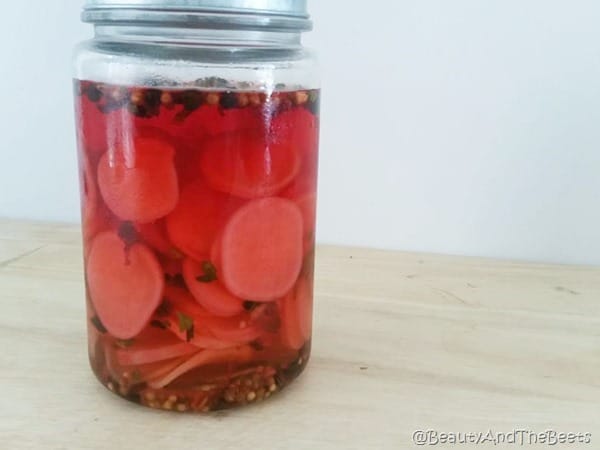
column 402, row 342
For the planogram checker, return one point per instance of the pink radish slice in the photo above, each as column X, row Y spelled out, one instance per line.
column 248, row 165
column 181, row 305
column 308, row 205
column 154, row 234
column 155, row 371
column 89, row 191
column 266, row 317
column 153, row 345
column 91, row 128
column 262, row 250
column 171, row 267
column 304, row 307
column 150, row 355
column 207, row 357
column 291, row 335
column 125, row 284
column 179, row 299
column 200, row 214
column 143, row 372
column 215, row 251
column 210, row 294
column 138, row 180
column 234, row 330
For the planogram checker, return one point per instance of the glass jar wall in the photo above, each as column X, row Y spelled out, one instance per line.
column 198, row 148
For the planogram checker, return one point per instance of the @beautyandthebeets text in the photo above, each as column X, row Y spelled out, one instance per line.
column 517, row 438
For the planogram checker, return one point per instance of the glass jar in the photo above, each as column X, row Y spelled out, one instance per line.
column 198, row 148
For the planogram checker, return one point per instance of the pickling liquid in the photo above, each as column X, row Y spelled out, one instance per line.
column 198, row 211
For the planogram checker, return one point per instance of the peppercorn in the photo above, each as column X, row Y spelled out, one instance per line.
column 228, row 100
column 192, row 100
column 94, row 94
column 254, row 99
column 166, row 99
column 152, row 97
column 137, row 110
column 243, row 100
column 213, row 98
column 136, row 97
column 301, row 97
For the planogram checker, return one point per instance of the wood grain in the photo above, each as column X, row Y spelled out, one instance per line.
column 402, row 342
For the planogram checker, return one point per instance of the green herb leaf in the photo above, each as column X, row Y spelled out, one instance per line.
column 186, row 323
column 210, row 273
column 98, row 324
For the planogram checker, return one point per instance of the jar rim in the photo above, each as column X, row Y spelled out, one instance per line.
column 280, row 15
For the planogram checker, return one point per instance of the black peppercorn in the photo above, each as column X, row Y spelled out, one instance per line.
column 93, row 93
column 137, row 110
column 313, row 104
column 191, row 100
column 228, row 100
column 152, row 97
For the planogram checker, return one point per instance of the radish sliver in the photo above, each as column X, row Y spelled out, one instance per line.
column 153, row 345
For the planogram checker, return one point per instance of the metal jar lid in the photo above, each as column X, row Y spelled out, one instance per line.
column 279, row 15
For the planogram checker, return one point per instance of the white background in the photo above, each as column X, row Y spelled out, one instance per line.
column 462, row 127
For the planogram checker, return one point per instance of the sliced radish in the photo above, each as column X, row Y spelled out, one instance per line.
column 301, row 127
column 209, row 120
column 215, row 251
column 239, row 330
column 308, row 205
column 291, row 334
column 298, row 126
column 93, row 211
column 171, row 267
column 125, row 283
column 187, row 320
column 91, row 127
column 201, row 212
column 304, row 307
column 179, row 299
column 267, row 317
column 209, row 292
column 187, row 160
column 138, row 374
column 138, row 181
column 236, row 356
column 262, row 249
column 89, row 190
column 247, row 165
column 155, row 235
column 153, row 345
